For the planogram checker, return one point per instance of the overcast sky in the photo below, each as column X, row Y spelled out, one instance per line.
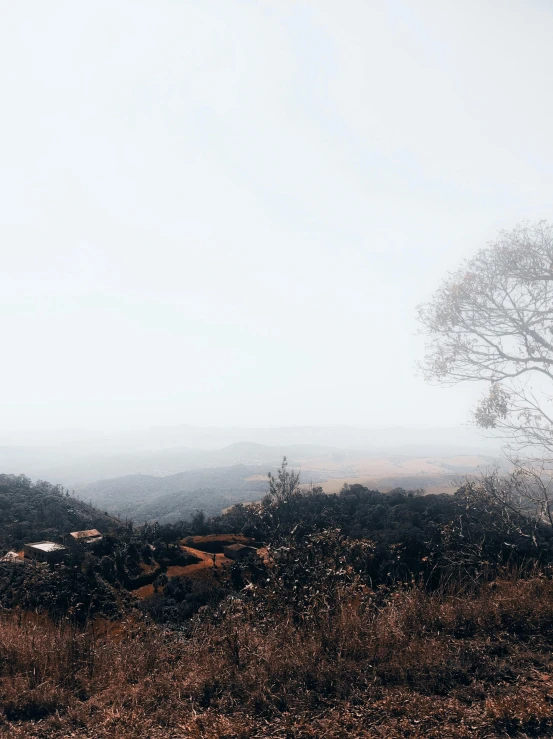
column 225, row 212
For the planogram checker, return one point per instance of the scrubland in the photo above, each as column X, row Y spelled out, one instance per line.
column 467, row 660
column 358, row 615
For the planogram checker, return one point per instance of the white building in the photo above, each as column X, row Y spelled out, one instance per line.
column 45, row 551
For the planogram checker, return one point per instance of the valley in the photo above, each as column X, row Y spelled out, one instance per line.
column 213, row 489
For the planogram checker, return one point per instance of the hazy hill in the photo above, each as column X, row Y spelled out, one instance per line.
column 67, row 468
column 74, row 458
column 170, row 497
column 145, row 498
column 166, row 474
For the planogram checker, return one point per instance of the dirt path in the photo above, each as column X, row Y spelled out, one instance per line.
column 205, row 563
column 206, row 560
column 204, row 542
column 144, row 592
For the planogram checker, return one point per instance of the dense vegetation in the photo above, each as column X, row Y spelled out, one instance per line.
column 411, row 532
column 175, row 497
column 454, row 664
column 92, row 581
column 366, row 614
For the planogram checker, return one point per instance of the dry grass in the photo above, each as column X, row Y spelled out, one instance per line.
column 454, row 664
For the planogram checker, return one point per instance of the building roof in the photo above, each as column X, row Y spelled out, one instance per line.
column 46, row 546
column 9, row 557
column 90, row 534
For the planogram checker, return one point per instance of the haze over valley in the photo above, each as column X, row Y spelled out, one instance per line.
column 173, row 472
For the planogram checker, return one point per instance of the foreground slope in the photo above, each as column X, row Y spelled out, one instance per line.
column 458, row 666
column 364, row 615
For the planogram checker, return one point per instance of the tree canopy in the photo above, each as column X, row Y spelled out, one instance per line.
column 492, row 321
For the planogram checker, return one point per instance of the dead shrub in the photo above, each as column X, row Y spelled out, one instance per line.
column 524, row 711
column 400, row 664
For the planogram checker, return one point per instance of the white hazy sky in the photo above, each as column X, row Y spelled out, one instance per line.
column 225, row 211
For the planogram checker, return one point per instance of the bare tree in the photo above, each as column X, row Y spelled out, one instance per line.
column 492, row 321
column 500, row 517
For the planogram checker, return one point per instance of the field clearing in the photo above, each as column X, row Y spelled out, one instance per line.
column 431, row 484
column 434, row 474
column 206, row 562
column 468, row 460
column 205, row 543
column 193, row 570
column 144, row 592
column 393, row 465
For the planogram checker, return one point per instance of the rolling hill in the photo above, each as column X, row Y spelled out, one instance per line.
column 180, row 496
column 75, row 458
column 211, row 489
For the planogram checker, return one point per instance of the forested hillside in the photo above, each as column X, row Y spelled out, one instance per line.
column 175, row 497
column 34, row 511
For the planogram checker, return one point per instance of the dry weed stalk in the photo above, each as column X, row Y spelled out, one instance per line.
column 245, row 672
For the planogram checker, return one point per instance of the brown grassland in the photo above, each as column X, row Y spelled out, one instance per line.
column 462, row 662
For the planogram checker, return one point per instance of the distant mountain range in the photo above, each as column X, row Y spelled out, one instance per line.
column 170, row 473
column 212, row 488
column 74, row 458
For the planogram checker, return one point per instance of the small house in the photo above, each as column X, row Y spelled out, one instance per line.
column 12, row 558
column 45, row 551
column 90, row 536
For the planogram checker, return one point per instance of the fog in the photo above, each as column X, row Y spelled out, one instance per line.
column 225, row 213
